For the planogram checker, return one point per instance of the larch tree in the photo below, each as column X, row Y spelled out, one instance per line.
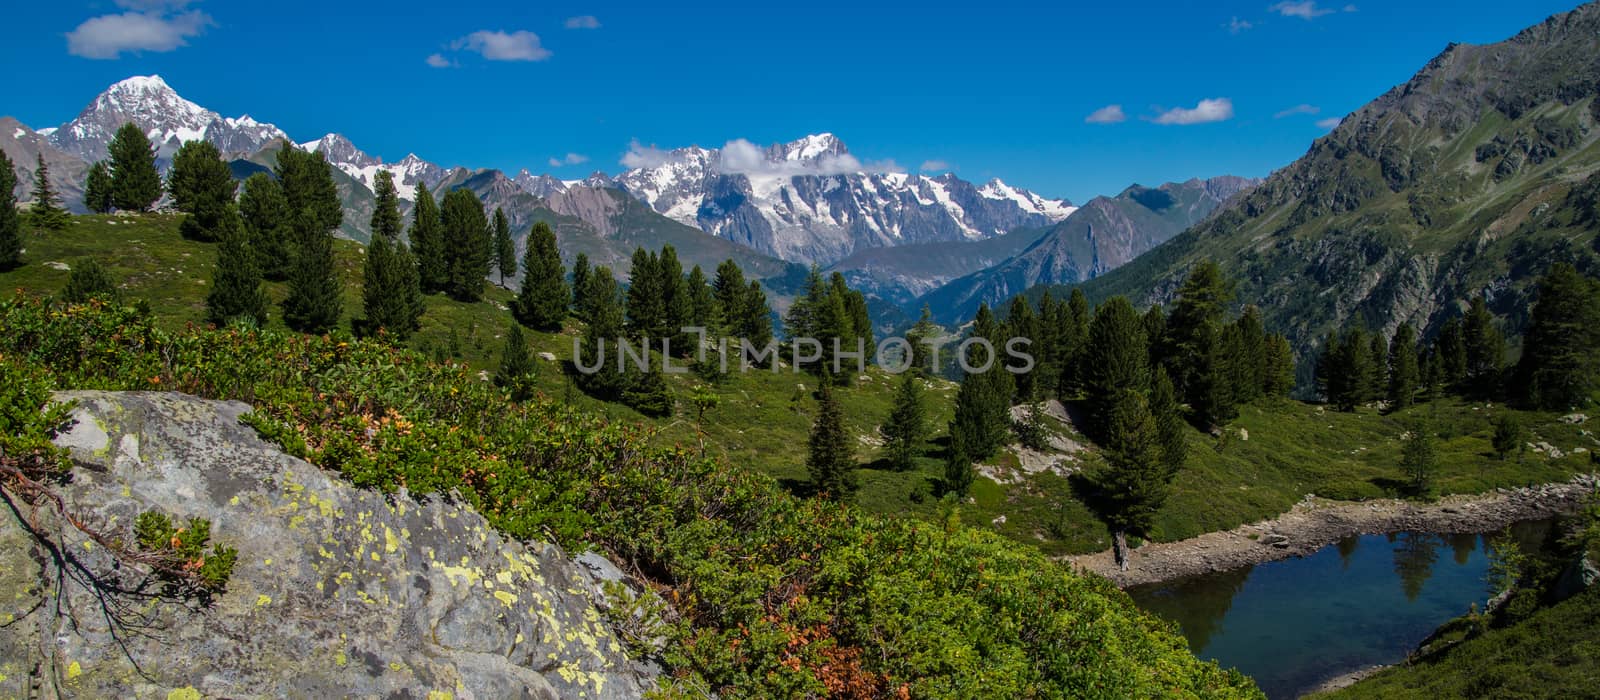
column 1560, row 367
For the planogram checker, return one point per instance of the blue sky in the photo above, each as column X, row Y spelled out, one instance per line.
column 986, row 89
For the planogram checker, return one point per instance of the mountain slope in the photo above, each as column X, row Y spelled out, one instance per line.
column 1104, row 234
column 811, row 201
column 1471, row 178
column 901, row 274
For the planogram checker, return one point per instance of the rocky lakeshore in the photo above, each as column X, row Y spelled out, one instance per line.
column 1315, row 523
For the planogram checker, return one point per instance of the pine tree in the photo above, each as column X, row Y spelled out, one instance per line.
column 1168, row 418
column 1560, row 367
column 467, row 245
column 1137, row 476
column 202, row 186
column 983, row 402
column 646, row 307
column 756, row 320
column 10, row 218
column 830, row 460
column 676, row 304
column 1074, row 343
column 1202, row 301
column 1451, row 348
column 580, row 281
column 427, row 243
column 46, row 213
column 1403, row 373
column 702, row 304
column 380, row 280
column 1277, row 374
column 543, row 300
column 1216, row 373
column 1419, row 459
column 391, row 293
column 603, row 301
column 904, row 431
column 1116, row 361
column 1155, row 334
column 88, row 280
column 920, row 338
column 1247, row 360
column 1344, row 370
column 1486, row 349
column 505, row 250
column 958, row 471
column 1021, row 323
column 649, row 394
column 1377, row 367
column 265, row 213
column 516, row 371
column 313, row 304
column 97, row 189
column 135, row 184
column 728, row 289
column 236, row 292
column 1510, row 436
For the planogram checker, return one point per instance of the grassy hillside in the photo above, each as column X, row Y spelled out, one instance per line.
column 763, row 418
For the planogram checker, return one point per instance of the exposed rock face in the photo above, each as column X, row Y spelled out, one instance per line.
column 337, row 592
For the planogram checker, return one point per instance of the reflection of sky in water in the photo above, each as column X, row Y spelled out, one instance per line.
column 1292, row 624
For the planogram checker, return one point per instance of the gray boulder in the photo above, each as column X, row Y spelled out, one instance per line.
column 337, row 591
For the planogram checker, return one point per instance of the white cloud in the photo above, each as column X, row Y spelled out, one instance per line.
column 741, row 157
column 439, row 61
column 153, row 5
column 1297, row 109
column 1237, row 25
column 1212, row 110
column 1109, row 114
column 569, row 159
column 1329, row 123
column 1304, row 9
column 583, row 22
column 934, row 166
column 502, row 46
column 641, row 156
column 109, row 36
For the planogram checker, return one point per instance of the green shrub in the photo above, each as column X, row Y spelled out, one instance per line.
column 179, row 556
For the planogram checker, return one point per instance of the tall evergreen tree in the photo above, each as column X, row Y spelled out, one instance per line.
column 392, row 294
column 46, row 213
column 427, row 243
column 236, row 292
column 1404, row 376
column 603, row 303
column 755, row 325
column 580, row 281
column 467, row 245
column 1215, row 373
column 905, row 429
column 648, row 393
column 1344, row 369
column 1074, row 343
column 516, row 371
column 1451, row 348
column 702, row 303
column 1137, row 476
column 1021, row 323
column 1419, row 459
column 202, row 186
column 1486, row 349
column 728, row 289
column 1378, row 367
column 314, row 303
column 1116, row 361
column 1202, row 300
column 920, row 337
column 676, row 305
column 505, row 250
column 1277, row 374
column 10, row 218
column 958, row 471
column 97, row 188
column 1560, row 367
column 265, row 213
column 1248, row 359
column 1155, row 334
column 983, row 402
column 135, row 184
column 1168, row 418
column 829, row 460
column 646, row 297
column 543, row 300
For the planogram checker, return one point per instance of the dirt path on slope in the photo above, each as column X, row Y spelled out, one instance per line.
column 1315, row 523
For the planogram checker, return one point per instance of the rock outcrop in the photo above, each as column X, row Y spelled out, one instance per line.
column 337, row 592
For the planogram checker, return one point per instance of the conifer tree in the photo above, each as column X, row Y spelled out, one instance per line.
column 1378, row 367
column 1486, row 349
column 1419, row 459
column 755, row 324
column 97, row 189
column 1137, row 476
column 88, row 280
column 920, row 337
column 1560, row 367
column 1021, row 323
column 1277, row 374
column 1451, row 348
column 648, row 393
column 505, row 250
column 202, row 186
column 380, row 275
column 676, row 305
column 391, row 295
column 1155, row 334
column 1202, row 301
column 904, row 431
column 1248, row 357
column 1074, row 343
column 516, row 371
column 702, row 304
column 1214, row 373
column 958, row 471
column 1344, row 370
column 580, row 282
column 236, row 292
column 313, row 304
column 427, row 243
column 135, row 184
column 46, row 213
column 855, row 320
column 543, row 300
column 603, row 303
column 1168, row 418
column 983, row 402
column 10, row 218
column 646, row 297
column 728, row 289
column 1116, row 361
column 265, row 214
column 829, row 460
column 467, row 244
column 1403, row 373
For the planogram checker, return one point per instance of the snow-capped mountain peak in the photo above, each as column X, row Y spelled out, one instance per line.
column 166, row 118
column 339, row 150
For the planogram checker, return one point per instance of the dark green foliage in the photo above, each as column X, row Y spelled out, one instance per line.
column 1136, row 478
column 179, row 555
column 1560, row 365
column 1169, row 424
column 921, row 337
column 833, row 315
column 1277, row 371
column 88, row 280
column 135, row 184
column 1404, row 375
column 46, row 213
column 1155, row 333
column 427, row 243
column 676, row 305
column 1451, row 350
column 467, row 245
column 958, row 467
column 1377, row 367
column 30, row 419
column 1344, row 370
column 1419, row 459
column 391, row 292
column 906, row 427
column 580, row 281
column 702, row 304
column 1030, row 429
column 202, row 186
column 544, row 298
column 313, row 213
column 10, row 218
column 505, row 250
column 982, row 421
column 1021, row 323
column 516, row 371
column 829, row 459
column 1486, row 349
column 97, row 188
column 1510, row 436
column 649, row 394
column 1202, row 301
column 646, row 309
column 308, row 189
column 266, row 223
column 1073, row 340
column 741, row 307
column 602, row 305
column 1115, row 361
column 236, row 293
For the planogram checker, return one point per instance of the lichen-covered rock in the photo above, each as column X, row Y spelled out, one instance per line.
column 337, row 592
